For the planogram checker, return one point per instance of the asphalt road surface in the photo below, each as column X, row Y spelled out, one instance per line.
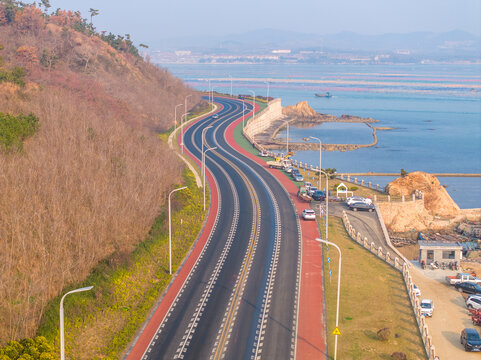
column 240, row 299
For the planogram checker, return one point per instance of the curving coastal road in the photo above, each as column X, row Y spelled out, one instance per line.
column 238, row 296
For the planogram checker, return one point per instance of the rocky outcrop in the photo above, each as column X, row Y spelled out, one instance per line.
column 302, row 115
column 301, row 109
column 436, row 199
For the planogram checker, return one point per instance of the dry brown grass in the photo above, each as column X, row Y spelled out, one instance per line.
column 92, row 180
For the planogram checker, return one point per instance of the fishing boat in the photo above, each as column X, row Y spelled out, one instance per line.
column 324, row 95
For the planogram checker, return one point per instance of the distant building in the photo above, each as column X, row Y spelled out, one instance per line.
column 183, row 53
column 431, row 251
column 281, row 51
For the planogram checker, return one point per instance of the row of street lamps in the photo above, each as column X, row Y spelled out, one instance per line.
column 203, row 153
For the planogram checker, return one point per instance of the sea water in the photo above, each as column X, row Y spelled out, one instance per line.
column 434, row 110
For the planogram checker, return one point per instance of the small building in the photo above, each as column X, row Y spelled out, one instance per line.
column 440, row 251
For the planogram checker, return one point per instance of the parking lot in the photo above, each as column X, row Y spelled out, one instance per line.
column 450, row 315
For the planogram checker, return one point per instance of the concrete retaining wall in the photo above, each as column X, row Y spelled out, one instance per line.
column 263, row 120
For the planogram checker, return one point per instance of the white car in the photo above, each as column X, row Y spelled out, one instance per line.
column 307, row 185
column 416, row 290
column 473, row 302
column 215, row 116
column 427, row 307
column 312, row 190
column 355, row 199
column 308, row 214
column 263, row 153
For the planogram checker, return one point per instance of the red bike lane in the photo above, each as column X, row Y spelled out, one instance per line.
column 311, row 335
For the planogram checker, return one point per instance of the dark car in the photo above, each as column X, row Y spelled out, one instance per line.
column 295, row 172
column 319, row 195
column 470, row 339
column 361, row 206
column 468, row 287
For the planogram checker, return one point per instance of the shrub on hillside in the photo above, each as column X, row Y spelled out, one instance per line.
column 28, row 349
column 15, row 129
column 384, row 334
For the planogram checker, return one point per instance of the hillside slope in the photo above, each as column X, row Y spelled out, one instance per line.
column 90, row 182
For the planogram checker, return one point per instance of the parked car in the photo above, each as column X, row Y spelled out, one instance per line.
column 307, row 185
column 355, row 199
column 288, row 169
column 417, row 291
column 308, row 214
column 312, row 190
column 473, row 302
column 468, row 287
column 319, row 195
column 427, row 307
column 263, row 153
column 462, row 277
column 298, row 177
column 295, row 172
column 361, row 206
column 470, row 340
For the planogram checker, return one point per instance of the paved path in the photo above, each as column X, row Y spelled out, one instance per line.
column 450, row 313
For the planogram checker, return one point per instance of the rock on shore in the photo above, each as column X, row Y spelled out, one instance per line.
column 437, row 211
column 436, row 199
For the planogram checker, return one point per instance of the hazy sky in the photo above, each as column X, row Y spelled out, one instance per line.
column 147, row 20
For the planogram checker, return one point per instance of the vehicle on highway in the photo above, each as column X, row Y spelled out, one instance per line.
column 470, row 340
column 308, row 214
column 215, row 116
column 319, row 195
column 312, row 190
column 473, row 302
column 468, row 287
column 303, row 195
column 298, row 177
column 427, row 307
column 295, row 171
column 356, row 199
column 288, row 169
column 361, row 206
column 263, row 153
column 462, row 277
column 416, row 290
column 307, row 185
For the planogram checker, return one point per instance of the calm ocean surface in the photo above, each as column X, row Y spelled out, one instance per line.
column 435, row 110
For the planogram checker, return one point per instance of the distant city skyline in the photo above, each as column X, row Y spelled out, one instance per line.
column 150, row 22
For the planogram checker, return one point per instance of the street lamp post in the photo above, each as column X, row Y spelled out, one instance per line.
column 253, row 105
column 243, row 108
column 267, row 91
column 230, row 85
column 287, row 137
column 212, row 89
column 170, row 229
column 320, row 158
column 182, row 131
column 62, row 336
column 338, row 291
column 185, row 102
column 203, row 140
column 175, row 114
column 209, row 88
column 205, row 152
